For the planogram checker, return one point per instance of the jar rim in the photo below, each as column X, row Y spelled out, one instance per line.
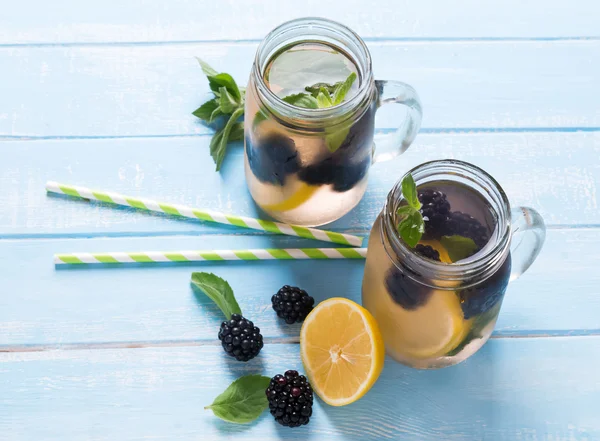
column 289, row 31
column 475, row 268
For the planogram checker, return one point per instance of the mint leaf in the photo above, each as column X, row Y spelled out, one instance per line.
column 205, row 111
column 219, row 291
column 324, row 99
column 458, row 247
column 412, row 227
column 302, row 100
column 237, row 132
column 225, row 80
column 316, row 88
column 334, row 140
column 216, row 113
column 227, row 102
column 206, row 68
column 243, row 401
column 342, row 90
column 409, row 191
column 218, row 145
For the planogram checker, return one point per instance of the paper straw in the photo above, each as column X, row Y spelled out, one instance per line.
column 211, row 255
column 205, row 215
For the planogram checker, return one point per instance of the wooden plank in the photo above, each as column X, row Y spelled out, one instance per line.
column 557, row 173
column 68, row 21
column 507, row 391
column 154, row 305
column 152, row 90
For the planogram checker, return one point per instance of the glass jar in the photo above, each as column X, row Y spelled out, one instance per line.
column 434, row 314
column 292, row 171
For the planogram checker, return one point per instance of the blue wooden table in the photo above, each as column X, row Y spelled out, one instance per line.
column 100, row 94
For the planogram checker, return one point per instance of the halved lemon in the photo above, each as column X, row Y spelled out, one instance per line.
column 342, row 351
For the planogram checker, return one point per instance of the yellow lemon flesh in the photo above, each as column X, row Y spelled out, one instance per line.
column 342, row 351
column 301, row 194
column 283, row 198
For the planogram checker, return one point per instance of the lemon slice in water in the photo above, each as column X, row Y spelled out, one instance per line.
column 283, row 198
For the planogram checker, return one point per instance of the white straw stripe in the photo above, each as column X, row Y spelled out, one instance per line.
column 332, row 253
column 86, row 257
column 296, row 253
column 152, row 205
column 262, row 254
column 157, row 256
column 191, row 255
column 122, row 257
column 227, row 254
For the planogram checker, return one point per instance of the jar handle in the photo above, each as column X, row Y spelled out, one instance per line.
column 528, row 236
column 390, row 145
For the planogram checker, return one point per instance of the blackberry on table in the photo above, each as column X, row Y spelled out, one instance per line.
column 273, row 159
column 292, row 304
column 290, row 399
column 465, row 225
column 240, row 338
column 427, row 252
column 435, row 209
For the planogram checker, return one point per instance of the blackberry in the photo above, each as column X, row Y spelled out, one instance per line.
column 482, row 297
column 464, row 225
column 292, row 304
column 405, row 291
column 435, row 211
column 240, row 338
column 290, row 399
column 273, row 159
column 349, row 164
column 428, row 252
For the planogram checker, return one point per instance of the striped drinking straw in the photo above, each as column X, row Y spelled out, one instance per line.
column 205, row 215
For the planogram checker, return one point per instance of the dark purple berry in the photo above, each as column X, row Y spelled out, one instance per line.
column 290, row 406
column 292, row 304
column 240, row 338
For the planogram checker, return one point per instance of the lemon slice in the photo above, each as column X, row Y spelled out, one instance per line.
column 282, row 198
column 436, row 245
column 302, row 193
column 429, row 331
column 342, row 351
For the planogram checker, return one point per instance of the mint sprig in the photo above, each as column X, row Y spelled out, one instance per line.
column 228, row 102
column 219, row 291
column 411, row 225
column 243, row 401
column 323, row 96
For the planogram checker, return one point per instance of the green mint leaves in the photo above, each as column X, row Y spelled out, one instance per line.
column 458, row 247
column 228, row 102
column 411, row 225
column 322, row 95
column 243, row 401
column 218, row 290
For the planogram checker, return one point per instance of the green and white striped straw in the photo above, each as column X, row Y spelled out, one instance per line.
column 205, row 215
column 211, row 255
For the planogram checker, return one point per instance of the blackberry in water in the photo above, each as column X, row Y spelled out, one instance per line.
column 240, row 338
column 427, row 252
column 405, row 291
column 435, row 209
column 464, row 225
column 273, row 159
column 292, row 304
column 290, row 399
column 349, row 164
column 483, row 297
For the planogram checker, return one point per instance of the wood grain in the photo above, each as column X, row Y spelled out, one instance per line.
column 556, row 173
column 69, row 21
column 152, row 90
column 512, row 389
column 156, row 305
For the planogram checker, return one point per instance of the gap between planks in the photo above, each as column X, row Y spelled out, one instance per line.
column 258, row 40
column 268, row 340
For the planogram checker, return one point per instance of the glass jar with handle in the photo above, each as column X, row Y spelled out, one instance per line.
column 436, row 307
column 308, row 164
